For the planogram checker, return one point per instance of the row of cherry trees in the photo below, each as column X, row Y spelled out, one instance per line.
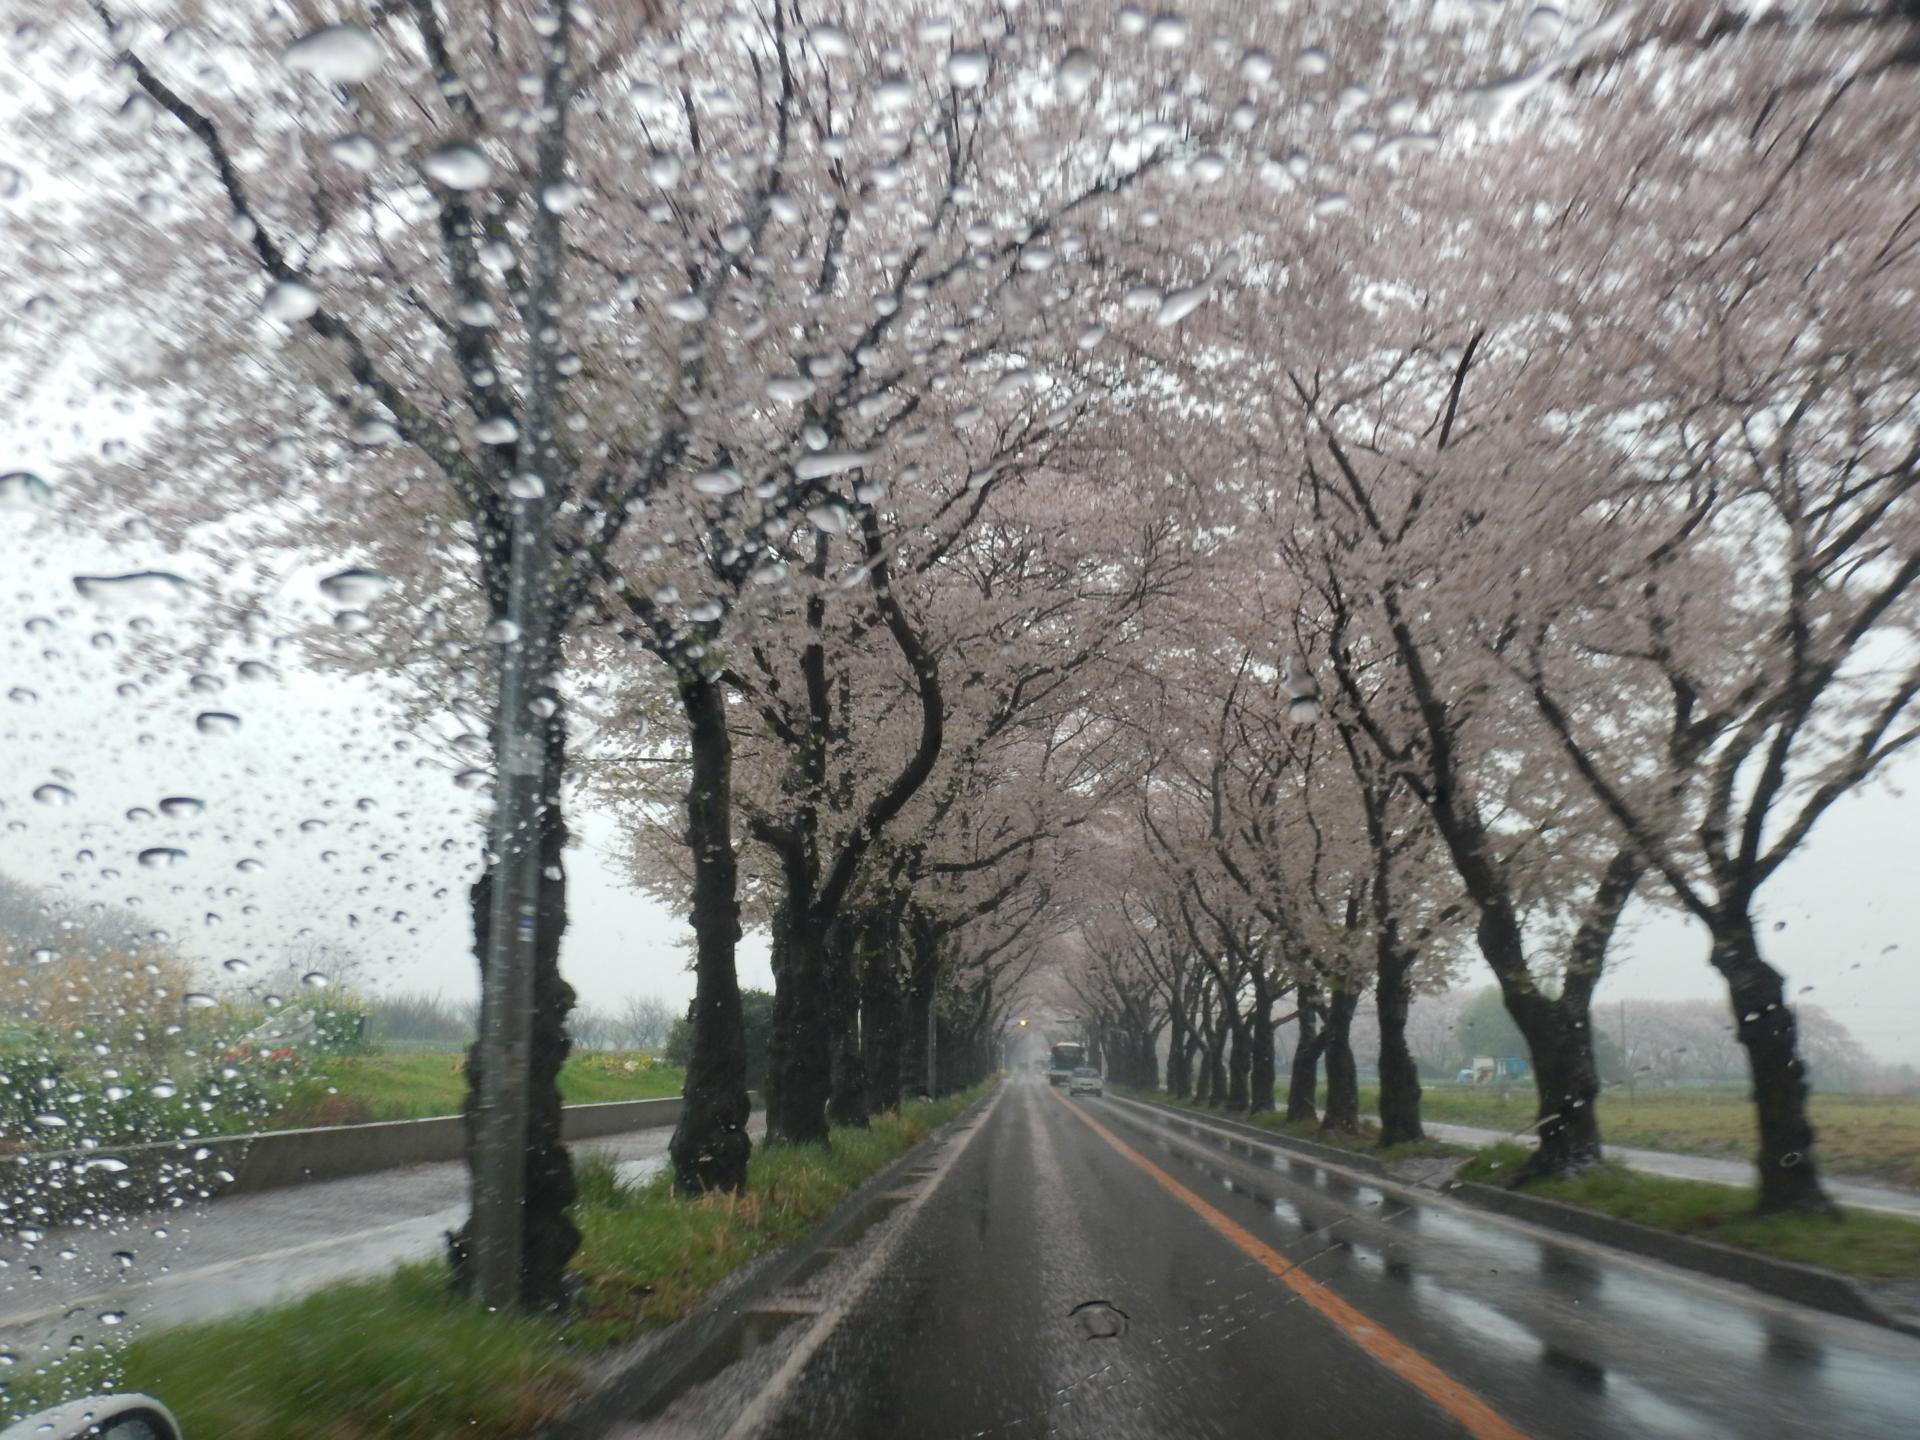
column 1231, row 512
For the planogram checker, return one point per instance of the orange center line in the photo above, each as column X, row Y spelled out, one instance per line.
column 1480, row 1418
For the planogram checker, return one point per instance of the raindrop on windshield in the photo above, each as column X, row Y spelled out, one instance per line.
column 23, row 490
column 967, row 69
column 292, row 300
column 458, row 166
column 216, row 722
column 337, row 54
column 139, row 590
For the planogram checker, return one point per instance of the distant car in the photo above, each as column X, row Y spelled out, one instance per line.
column 1086, row 1081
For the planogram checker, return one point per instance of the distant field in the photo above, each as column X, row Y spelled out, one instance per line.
column 1870, row 1136
column 351, row 1090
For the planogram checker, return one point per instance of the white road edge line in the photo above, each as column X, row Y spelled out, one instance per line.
column 766, row 1405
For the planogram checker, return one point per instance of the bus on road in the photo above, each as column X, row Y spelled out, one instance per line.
column 1068, row 1057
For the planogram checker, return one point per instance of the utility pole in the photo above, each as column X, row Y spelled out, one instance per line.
column 526, row 638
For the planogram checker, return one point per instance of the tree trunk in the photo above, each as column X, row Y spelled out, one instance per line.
column 549, row 1238
column 1260, row 1076
column 920, row 997
column 1303, row 1080
column 882, row 1017
column 1342, row 1115
column 1239, row 1066
column 847, row 961
column 710, row 1145
column 1399, row 1072
column 799, row 1051
column 1565, row 1077
column 1179, row 1059
column 1789, row 1178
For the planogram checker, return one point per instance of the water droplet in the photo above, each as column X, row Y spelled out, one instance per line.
column 235, row 966
column 458, row 166
column 828, row 519
column 1099, row 1319
column 112, row 1317
column 1091, row 336
column 357, row 151
column 503, row 632
column 473, row 779
column 198, row 1000
column 373, row 431
column 161, row 857
column 496, row 430
column 314, row 980
column 725, row 480
column 350, row 587
column 291, row 300
column 142, row 589
column 526, row 486
column 1168, row 32
column 789, row 389
column 688, row 308
column 163, row 1090
column 967, row 69
column 559, row 198
column 1077, row 71
column 1256, row 67
column 52, row 794
column 23, row 490
column 832, row 462
column 336, row 54
column 830, row 41
column 116, row 1092
column 1209, row 166
column 1178, row 304
column 1312, row 60
column 216, row 722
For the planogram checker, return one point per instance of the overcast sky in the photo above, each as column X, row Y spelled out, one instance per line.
column 327, row 831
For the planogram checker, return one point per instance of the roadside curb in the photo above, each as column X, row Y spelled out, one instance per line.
column 1784, row 1279
column 657, row 1369
column 1806, row 1285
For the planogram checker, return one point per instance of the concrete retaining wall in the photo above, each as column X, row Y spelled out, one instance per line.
column 50, row 1189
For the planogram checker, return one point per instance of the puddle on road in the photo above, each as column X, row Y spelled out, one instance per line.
column 880, row 1209
column 814, row 1264
column 754, row 1330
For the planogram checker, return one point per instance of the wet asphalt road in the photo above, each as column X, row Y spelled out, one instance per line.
column 970, row 1326
column 212, row 1259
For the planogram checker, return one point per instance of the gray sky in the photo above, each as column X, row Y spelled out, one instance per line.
column 364, row 844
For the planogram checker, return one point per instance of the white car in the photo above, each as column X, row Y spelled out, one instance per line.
column 1086, row 1081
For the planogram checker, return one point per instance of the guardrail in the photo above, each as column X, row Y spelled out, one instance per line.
column 57, row 1188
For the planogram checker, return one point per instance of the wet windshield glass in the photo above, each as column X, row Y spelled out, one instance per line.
column 1226, row 692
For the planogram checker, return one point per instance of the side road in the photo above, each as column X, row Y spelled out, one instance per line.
column 1884, row 1198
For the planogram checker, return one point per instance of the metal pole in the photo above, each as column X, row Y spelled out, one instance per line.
column 506, row 1016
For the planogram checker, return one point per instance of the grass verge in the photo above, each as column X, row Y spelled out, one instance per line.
column 355, row 1089
column 1860, row 1243
column 398, row 1357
